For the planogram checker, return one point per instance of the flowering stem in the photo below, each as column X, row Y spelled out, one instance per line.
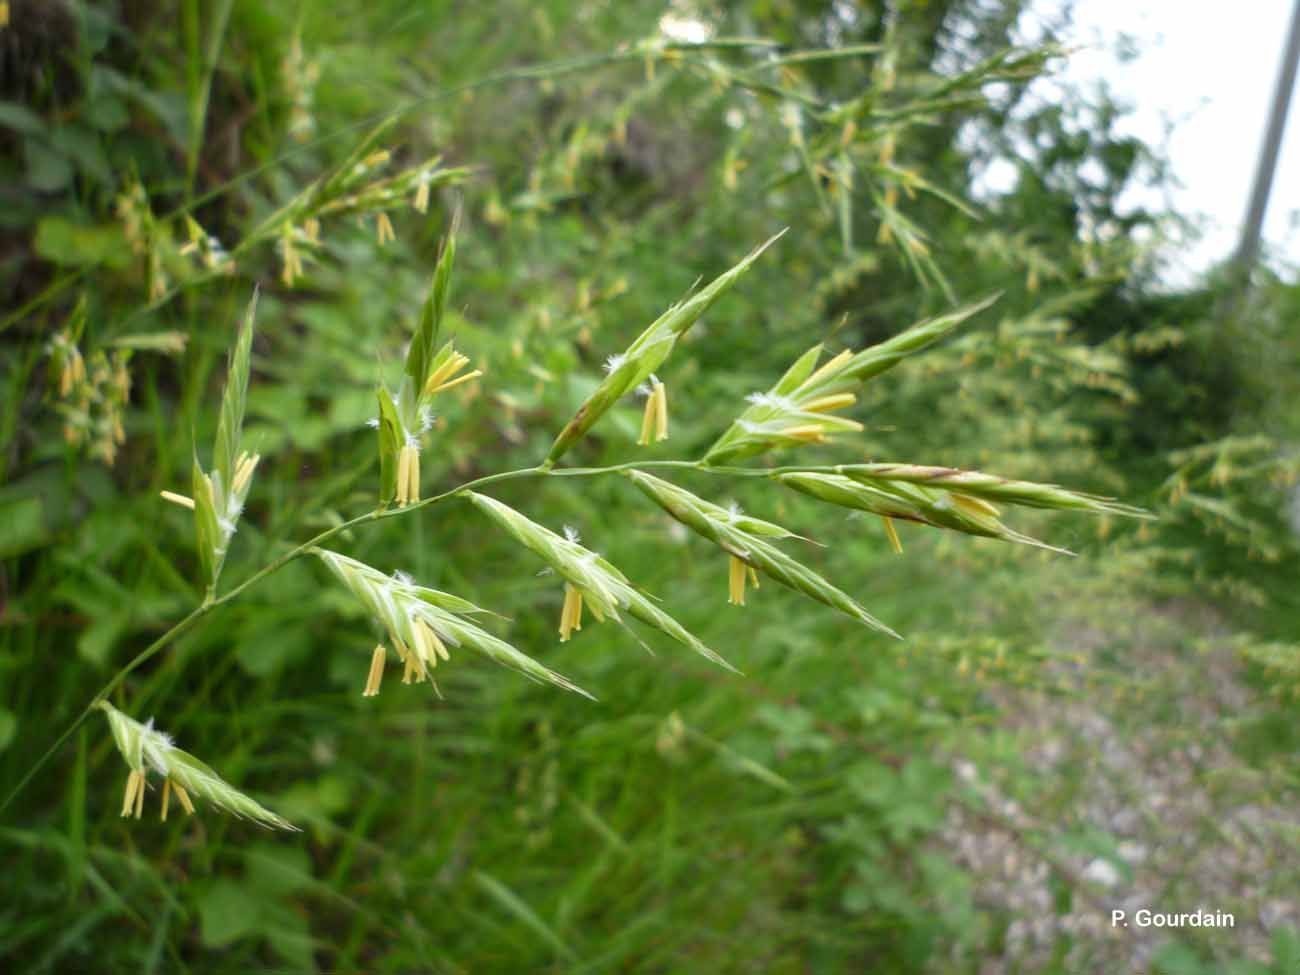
column 195, row 615
column 211, row 601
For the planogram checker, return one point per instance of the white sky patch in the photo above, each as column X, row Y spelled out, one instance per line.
column 684, row 29
column 1200, row 89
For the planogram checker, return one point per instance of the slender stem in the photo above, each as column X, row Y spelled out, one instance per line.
column 195, row 615
column 201, row 90
column 212, row 601
column 692, row 465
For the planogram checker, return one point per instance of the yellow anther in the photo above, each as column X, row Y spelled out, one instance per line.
column 808, row 433
column 134, row 790
column 571, row 614
column 655, row 418
column 824, row 404
column 183, row 798
column 830, row 366
column 892, row 533
column 376, row 675
column 179, row 499
column 736, row 581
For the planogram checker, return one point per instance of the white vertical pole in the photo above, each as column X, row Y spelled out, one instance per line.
column 1248, row 249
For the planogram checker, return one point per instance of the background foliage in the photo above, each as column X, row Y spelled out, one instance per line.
column 1053, row 738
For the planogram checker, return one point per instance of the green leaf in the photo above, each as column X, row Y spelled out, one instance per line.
column 96, row 641
column 1176, row 958
column 271, row 641
column 108, row 113
column 48, row 171
column 290, row 937
column 1286, row 949
column 228, row 913
column 20, row 119
column 225, row 452
column 23, row 526
column 511, row 901
column 8, row 727
column 277, row 869
column 63, row 242
column 83, row 146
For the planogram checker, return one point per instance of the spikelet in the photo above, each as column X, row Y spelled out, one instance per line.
column 429, row 371
column 975, row 484
column 218, row 495
column 745, row 540
column 911, row 502
column 422, row 623
column 627, row 371
column 598, row 585
column 146, row 750
column 798, row 409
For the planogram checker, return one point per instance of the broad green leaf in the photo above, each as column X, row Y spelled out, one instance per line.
column 61, row 241
column 227, row 913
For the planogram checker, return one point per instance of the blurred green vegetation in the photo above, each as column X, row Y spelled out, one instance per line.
column 817, row 814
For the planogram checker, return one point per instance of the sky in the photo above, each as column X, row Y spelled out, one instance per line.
column 1200, row 89
column 1210, row 69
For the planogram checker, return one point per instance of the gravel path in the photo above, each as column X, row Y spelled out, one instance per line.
column 1148, row 807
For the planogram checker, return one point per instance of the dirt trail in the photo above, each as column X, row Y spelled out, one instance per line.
column 1150, row 808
